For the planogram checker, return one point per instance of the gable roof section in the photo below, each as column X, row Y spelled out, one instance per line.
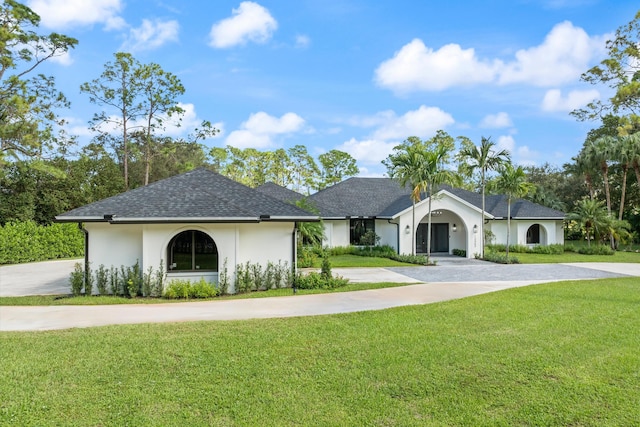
column 196, row 196
column 279, row 192
column 384, row 198
column 366, row 197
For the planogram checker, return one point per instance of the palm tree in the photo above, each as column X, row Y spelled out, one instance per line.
column 591, row 215
column 481, row 159
column 634, row 154
column 622, row 153
column 404, row 165
column 512, row 182
column 599, row 152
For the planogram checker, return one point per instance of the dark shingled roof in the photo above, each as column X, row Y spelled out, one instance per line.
column 198, row 195
column 279, row 192
column 384, row 198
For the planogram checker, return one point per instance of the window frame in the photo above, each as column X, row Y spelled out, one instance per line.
column 531, row 234
column 367, row 224
column 199, row 241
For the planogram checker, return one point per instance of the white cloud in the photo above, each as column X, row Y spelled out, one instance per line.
column 521, row 155
column 369, row 151
column 61, row 14
column 302, row 41
column 63, row 59
column 554, row 101
column 496, row 121
column 151, row 35
column 418, row 67
column 565, row 53
column 421, row 122
column 250, row 22
column 260, row 129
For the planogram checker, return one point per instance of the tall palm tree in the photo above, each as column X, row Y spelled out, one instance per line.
column 404, row 165
column 481, row 159
column 634, row 154
column 434, row 173
column 591, row 215
column 622, row 153
column 512, row 182
column 600, row 152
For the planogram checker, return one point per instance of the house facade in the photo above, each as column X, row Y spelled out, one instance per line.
column 189, row 226
column 357, row 205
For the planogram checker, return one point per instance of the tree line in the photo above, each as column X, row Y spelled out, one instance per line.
column 44, row 172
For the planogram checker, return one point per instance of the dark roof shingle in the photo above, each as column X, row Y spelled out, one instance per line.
column 198, row 194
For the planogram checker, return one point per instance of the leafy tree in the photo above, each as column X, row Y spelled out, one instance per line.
column 512, row 182
column 621, row 72
column 480, row 160
column 600, row 152
column 309, row 233
column 555, row 187
column 27, row 105
column 336, row 165
column 304, row 168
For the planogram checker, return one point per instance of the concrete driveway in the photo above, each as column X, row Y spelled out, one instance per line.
column 444, row 282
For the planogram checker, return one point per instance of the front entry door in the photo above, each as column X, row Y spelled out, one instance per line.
column 439, row 238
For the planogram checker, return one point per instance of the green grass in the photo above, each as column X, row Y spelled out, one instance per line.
column 109, row 300
column 339, row 261
column 527, row 258
column 553, row 354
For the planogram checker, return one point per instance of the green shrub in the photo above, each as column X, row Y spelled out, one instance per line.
column 102, row 279
column 223, row 279
column 410, row 259
column 76, row 280
column 28, row 242
column 459, row 252
column 315, row 280
column 184, row 289
column 500, row 258
column 596, row 250
column 325, row 270
column 548, row 249
column 306, row 257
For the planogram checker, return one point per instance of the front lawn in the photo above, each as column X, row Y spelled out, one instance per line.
column 568, row 257
column 347, row 260
column 35, row 300
column 552, row 354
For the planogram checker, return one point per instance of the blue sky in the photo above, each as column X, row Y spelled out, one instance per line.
column 354, row 75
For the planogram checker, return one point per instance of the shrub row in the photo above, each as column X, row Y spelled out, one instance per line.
column 591, row 250
column 29, row 242
column 252, row 277
column 384, row 251
column 185, row 289
column 556, row 249
column 123, row 281
column 500, row 258
column 459, row 252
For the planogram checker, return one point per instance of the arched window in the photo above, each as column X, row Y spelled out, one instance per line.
column 192, row 250
column 533, row 235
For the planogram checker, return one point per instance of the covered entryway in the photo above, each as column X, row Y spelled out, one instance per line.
column 439, row 238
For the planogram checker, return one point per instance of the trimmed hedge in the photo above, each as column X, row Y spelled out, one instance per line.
column 384, row 251
column 28, row 242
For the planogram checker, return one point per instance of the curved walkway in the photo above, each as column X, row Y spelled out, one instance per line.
column 462, row 283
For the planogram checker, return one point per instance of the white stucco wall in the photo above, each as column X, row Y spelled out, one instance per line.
column 388, row 233
column 336, row 233
column 551, row 231
column 125, row 244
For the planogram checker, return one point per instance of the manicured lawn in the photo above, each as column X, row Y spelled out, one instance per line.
column 526, row 258
column 554, row 354
column 108, row 300
column 362, row 261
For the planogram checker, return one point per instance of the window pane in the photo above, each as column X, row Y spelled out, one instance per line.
column 182, row 251
column 359, row 227
column 206, row 253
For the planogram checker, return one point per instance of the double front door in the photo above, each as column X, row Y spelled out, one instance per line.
column 439, row 238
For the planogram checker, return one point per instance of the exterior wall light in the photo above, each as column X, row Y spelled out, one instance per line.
column 475, row 229
column 454, row 228
column 407, row 230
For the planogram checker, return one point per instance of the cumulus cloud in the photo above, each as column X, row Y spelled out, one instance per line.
column 389, row 130
column 554, row 101
column 250, row 22
column 496, row 121
column 421, row 122
column 368, row 151
column 151, row 35
column 260, row 129
column 418, row 67
column 521, row 155
column 563, row 55
column 61, row 14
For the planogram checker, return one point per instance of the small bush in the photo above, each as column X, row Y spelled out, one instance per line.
column 459, row 252
column 102, row 280
column 315, row 280
column 223, row 279
column 548, row 249
column 500, row 258
column 595, row 250
column 306, row 257
column 76, row 280
column 184, row 289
